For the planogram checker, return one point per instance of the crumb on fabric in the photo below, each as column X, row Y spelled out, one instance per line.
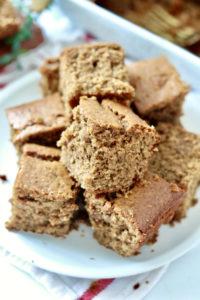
column 194, row 201
column 136, row 286
column 93, row 286
column 3, row 178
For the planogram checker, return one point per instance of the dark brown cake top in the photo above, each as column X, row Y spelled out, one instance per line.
column 156, row 83
column 37, row 116
column 128, row 119
column 42, row 112
column 149, row 201
column 41, row 179
column 147, row 204
column 92, row 110
column 110, row 114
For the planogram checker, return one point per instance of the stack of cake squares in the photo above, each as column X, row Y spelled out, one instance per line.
column 122, row 147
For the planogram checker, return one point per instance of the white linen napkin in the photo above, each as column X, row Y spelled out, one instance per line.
column 71, row 288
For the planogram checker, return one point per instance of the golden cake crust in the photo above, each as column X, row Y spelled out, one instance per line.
column 94, row 70
column 40, row 121
column 126, row 222
column 157, row 85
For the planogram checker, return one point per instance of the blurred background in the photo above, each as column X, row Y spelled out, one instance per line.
column 31, row 30
column 175, row 20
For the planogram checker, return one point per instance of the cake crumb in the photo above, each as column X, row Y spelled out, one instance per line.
column 136, row 286
column 3, row 178
column 194, row 201
column 93, row 286
column 147, row 281
column 82, row 235
column 174, row 187
column 156, row 177
column 153, row 239
column 152, row 250
column 91, row 258
column 172, row 223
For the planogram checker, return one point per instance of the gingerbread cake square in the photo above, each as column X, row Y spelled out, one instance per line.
column 127, row 222
column 94, row 70
column 9, row 20
column 178, row 161
column 44, row 193
column 39, row 122
column 50, row 76
column 107, row 147
column 159, row 90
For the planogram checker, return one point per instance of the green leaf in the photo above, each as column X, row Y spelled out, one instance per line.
column 16, row 40
column 6, row 59
column 15, row 45
column 22, row 51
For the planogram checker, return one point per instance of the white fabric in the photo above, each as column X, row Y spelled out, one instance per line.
column 70, row 288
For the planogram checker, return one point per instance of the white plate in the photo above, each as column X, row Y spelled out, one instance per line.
column 76, row 255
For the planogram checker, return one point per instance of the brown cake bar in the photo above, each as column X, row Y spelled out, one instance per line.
column 44, row 194
column 39, row 122
column 9, row 20
column 94, row 70
column 50, row 76
column 126, row 223
column 159, row 90
column 178, row 161
column 107, row 147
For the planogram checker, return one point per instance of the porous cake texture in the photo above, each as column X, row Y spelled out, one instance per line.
column 94, row 70
column 127, row 222
column 44, row 194
column 107, row 147
column 10, row 21
column 50, row 76
column 178, row 161
column 39, row 122
column 159, row 90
